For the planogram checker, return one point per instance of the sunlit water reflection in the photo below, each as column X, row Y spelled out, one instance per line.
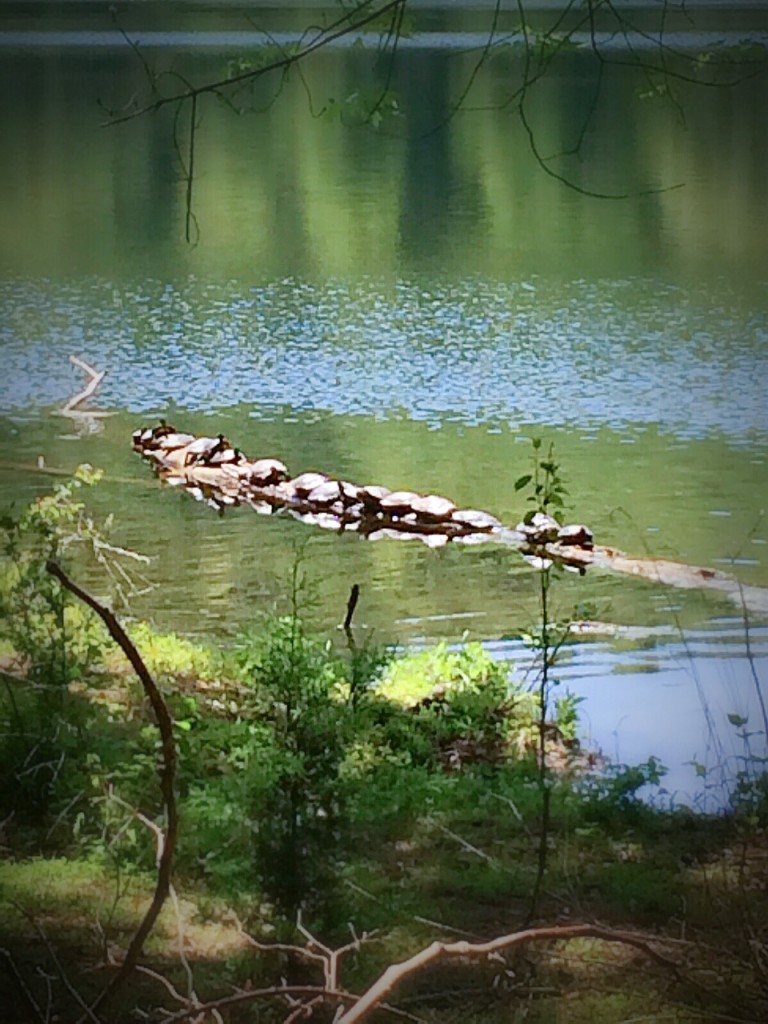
column 583, row 354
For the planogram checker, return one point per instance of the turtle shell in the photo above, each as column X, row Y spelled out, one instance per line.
column 171, row 442
column 475, row 519
column 541, row 528
column 397, row 501
column 304, row 483
column 432, row 506
column 268, row 471
column 576, row 534
column 350, row 493
column 372, row 495
column 325, row 493
column 151, row 437
column 203, row 446
column 222, row 457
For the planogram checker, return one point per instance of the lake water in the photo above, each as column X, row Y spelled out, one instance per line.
column 407, row 304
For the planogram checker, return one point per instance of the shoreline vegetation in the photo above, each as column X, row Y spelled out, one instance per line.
column 365, row 824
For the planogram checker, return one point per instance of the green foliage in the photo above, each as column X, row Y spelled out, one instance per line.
column 462, row 671
column 749, row 798
column 547, row 489
column 464, row 707
column 56, row 642
column 296, row 686
column 172, row 655
column 613, row 794
column 38, row 619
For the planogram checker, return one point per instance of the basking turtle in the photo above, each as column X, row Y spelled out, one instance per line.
column 576, row 534
column 224, row 457
column 305, row 483
column 539, row 528
column 149, row 438
column 202, row 448
column 372, row 495
column 172, row 442
column 267, row 471
column 325, row 494
column 474, row 519
column 397, row 502
column 433, row 507
column 351, row 493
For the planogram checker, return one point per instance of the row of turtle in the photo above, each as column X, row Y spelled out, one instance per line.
column 213, row 469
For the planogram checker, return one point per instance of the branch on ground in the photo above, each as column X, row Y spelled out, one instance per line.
column 395, row 974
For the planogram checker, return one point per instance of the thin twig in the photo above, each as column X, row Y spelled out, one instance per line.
column 341, row 27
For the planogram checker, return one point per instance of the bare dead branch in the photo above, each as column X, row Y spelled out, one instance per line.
column 167, row 778
column 354, row 596
column 397, row 973
column 94, row 379
column 274, row 991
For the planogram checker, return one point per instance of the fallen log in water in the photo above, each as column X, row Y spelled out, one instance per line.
column 212, row 470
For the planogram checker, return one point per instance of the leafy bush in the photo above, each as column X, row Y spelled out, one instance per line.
column 39, row 620
column 464, row 707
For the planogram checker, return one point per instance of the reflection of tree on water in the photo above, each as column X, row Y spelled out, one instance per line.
column 616, row 41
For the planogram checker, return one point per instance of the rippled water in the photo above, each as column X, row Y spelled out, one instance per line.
column 582, row 354
column 409, row 307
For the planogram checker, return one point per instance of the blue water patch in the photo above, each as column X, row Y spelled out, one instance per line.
column 582, row 354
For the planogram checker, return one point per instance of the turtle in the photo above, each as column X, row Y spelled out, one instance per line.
column 475, row 519
column 351, row 493
column 267, row 471
column 172, row 442
column 433, row 507
column 204, row 447
column 398, row 501
column 539, row 528
column 575, row 534
column 224, row 457
column 325, row 493
column 304, row 483
column 283, row 492
column 151, row 436
column 371, row 496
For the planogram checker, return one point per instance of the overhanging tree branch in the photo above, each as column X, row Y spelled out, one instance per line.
column 343, row 26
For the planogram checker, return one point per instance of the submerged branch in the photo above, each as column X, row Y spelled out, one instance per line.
column 95, row 377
